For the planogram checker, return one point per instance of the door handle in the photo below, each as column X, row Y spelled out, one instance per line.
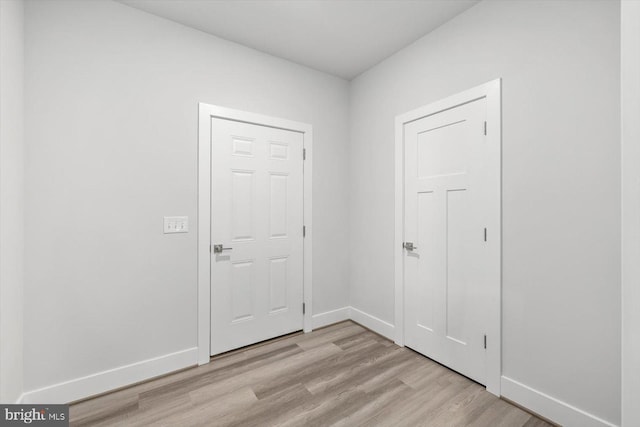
column 409, row 246
column 217, row 249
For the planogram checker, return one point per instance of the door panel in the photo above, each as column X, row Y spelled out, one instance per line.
column 278, row 205
column 242, row 205
column 442, row 150
column 256, row 211
column 427, row 208
column 242, row 290
column 278, row 284
column 445, row 209
column 458, row 263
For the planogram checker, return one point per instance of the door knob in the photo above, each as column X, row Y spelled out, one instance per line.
column 217, row 249
column 409, row 246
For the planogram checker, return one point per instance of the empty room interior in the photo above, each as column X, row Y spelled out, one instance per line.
column 320, row 212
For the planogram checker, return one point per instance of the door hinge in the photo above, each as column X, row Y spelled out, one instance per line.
column 485, row 341
column 485, row 128
column 304, row 231
column 485, row 234
column 304, row 308
column 304, row 154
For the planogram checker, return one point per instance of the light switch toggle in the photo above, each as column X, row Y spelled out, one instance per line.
column 176, row 224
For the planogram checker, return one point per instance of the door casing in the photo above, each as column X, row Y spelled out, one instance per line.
column 206, row 113
column 492, row 92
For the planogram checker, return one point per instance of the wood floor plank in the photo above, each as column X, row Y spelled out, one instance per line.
column 501, row 413
column 271, row 410
column 216, row 411
column 346, row 370
column 535, row 422
column 328, row 366
column 231, row 378
column 342, row 375
column 388, row 397
column 308, row 341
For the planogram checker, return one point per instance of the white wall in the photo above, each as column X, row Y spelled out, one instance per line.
column 630, row 212
column 560, row 65
column 112, row 100
column 11, row 198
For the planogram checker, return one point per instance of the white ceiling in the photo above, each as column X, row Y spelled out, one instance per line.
column 340, row 37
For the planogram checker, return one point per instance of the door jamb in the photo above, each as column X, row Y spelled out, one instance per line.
column 206, row 113
column 492, row 92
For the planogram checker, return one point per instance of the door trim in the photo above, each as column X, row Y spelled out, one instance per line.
column 206, row 113
column 492, row 92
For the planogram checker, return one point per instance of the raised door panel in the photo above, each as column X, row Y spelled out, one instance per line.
column 242, row 146
column 242, row 205
column 278, row 200
column 278, row 150
column 242, row 290
column 278, row 278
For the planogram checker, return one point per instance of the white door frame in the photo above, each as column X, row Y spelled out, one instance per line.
column 492, row 92
column 206, row 113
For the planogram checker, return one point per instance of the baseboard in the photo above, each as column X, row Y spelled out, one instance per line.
column 112, row 379
column 549, row 407
column 91, row 385
column 105, row 381
column 379, row 326
column 329, row 317
column 529, row 398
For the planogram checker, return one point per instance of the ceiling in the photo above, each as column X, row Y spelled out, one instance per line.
column 339, row 37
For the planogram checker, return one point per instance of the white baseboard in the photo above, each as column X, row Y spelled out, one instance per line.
column 102, row 382
column 379, row 326
column 330, row 317
column 549, row 407
column 534, row 400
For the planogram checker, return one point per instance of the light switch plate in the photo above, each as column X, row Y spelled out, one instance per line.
column 176, row 224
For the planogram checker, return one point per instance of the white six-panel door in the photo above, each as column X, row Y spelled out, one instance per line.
column 447, row 204
column 257, row 217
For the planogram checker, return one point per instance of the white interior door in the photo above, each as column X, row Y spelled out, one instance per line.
column 257, row 217
column 447, row 203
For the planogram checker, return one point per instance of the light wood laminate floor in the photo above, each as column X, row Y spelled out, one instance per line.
column 342, row 375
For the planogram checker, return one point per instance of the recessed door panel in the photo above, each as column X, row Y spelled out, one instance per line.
column 442, row 150
column 428, row 273
column 458, row 262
